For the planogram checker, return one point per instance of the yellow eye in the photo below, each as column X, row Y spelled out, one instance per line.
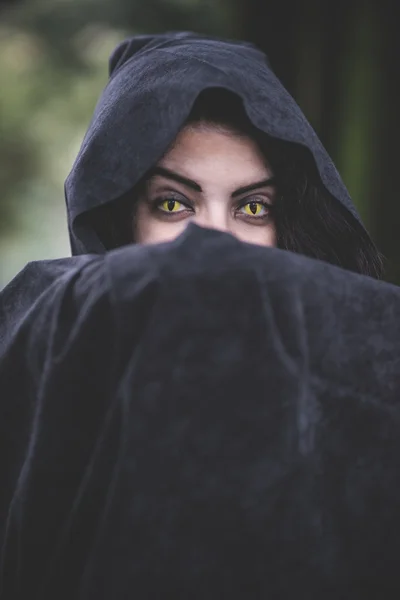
column 254, row 209
column 172, row 206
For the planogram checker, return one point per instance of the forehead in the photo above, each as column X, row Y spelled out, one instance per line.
column 214, row 147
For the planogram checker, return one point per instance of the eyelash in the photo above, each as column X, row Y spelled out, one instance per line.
column 160, row 199
column 258, row 200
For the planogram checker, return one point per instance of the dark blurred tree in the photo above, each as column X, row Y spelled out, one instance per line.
column 58, row 23
column 17, row 164
column 385, row 167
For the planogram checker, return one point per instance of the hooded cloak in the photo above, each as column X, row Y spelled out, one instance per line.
column 154, row 82
column 201, row 418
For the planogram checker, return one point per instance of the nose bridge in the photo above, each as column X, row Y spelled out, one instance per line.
column 215, row 214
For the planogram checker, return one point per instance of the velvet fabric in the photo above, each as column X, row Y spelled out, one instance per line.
column 204, row 418
column 199, row 419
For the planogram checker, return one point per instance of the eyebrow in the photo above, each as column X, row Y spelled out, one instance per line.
column 196, row 187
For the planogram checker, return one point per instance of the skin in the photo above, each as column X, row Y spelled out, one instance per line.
column 219, row 163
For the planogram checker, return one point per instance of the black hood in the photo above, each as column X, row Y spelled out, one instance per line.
column 154, row 82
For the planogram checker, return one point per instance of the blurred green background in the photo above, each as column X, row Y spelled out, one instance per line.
column 339, row 59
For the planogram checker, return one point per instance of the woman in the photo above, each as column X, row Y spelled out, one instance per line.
column 201, row 413
column 219, row 150
column 152, row 93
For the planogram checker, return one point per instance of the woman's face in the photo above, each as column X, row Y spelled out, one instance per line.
column 214, row 178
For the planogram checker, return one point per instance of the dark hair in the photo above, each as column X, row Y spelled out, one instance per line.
column 308, row 219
